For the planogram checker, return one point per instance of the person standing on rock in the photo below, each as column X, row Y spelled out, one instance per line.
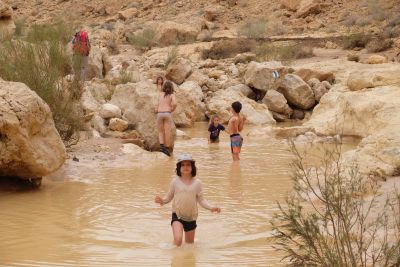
column 235, row 126
column 166, row 105
column 81, row 48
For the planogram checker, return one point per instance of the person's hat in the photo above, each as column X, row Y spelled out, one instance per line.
column 184, row 157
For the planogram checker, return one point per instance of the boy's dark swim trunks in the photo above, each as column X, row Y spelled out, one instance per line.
column 187, row 226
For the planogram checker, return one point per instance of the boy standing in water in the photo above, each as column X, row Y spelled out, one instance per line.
column 235, row 126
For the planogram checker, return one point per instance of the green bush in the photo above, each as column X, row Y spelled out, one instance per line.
column 41, row 62
column 172, row 54
column 253, row 28
column 332, row 218
column 356, row 40
column 228, row 48
column 144, row 39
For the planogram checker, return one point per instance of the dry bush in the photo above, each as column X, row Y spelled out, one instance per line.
column 228, row 48
column 172, row 55
column 332, row 219
column 356, row 40
column 253, row 28
column 143, row 39
column 112, row 46
column 350, row 20
column 353, row 57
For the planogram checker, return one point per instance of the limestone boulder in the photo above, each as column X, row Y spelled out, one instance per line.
column 178, row 70
column 170, row 33
column 212, row 12
column 117, row 124
column 259, row 75
column 190, row 107
column 108, row 111
column 319, row 91
column 98, row 123
column 93, row 96
column 221, row 102
column 308, row 7
column 128, row 13
column 198, row 77
column 291, row 5
column 30, row 146
column 359, row 113
column 307, row 74
column 377, row 59
column 242, row 88
column 137, row 102
column 276, row 102
column 7, row 24
column 297, row 92
column 361, row 79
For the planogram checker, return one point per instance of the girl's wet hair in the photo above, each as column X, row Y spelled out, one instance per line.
column 179, row 165
column 168, row 88
column 160, row 78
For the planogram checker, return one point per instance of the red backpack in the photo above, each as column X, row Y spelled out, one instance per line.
column 81, row 43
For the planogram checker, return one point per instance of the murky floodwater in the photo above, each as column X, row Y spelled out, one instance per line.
column 109, row 218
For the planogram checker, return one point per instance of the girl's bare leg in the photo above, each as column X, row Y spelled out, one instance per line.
column 177, row 231
column 189, row 236
column 160, row 126
column 167, row 132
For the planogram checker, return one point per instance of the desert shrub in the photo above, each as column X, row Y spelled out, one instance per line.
column 332, row 219
column 144, row 39
column 350, row 20
column 172, row 54
column 353, row 57
column 112, row 46
column 127, row 77
column 391, row 32
column 269, row 51
column 19, row 26
column 41, row 62
column 379, row 45
column 253, row 28
column 228, row 48
column 364, row 21
column 376, row 10
column 356, row 40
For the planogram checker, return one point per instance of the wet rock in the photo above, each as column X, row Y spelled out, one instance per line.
column 29, row 142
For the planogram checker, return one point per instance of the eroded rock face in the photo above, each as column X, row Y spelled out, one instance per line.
column 259, row 75
column 190, row 107
column 359, row 80
column 276, row 102
column 7, row 24
column 137, row 102
column 170, row 32
column 221, row 102
column 30, row 146
column 297, row 92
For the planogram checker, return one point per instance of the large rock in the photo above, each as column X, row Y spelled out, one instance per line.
column 297, row 92
column 244, row 89
column 221, row 103
column 94, row 95
column 170, row 33
column 190, row 107
column 178, row 70
column 118, row 125
column 137, row 102
column 360, row 113
column 307, row 74
column 291, row 5
column 377, row 59
column 276, row 102
column 108, row 111
column 361, row 79
column 308, row 7
column 7, row 25
column 259, row 75
column 30, row 146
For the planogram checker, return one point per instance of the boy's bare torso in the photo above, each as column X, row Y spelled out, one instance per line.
column 164, row 102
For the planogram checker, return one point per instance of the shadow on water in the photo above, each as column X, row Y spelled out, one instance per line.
column 16, row 184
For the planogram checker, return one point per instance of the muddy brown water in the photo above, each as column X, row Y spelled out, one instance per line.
column 109, row 218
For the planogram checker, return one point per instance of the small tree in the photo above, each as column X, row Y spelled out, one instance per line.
column 332, row 217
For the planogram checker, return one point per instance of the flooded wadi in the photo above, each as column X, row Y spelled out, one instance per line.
column 107, row 216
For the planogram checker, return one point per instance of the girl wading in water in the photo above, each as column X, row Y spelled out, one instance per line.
column 166, row 105
column 185, row 190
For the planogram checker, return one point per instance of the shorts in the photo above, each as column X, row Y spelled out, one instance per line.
column 187, row 226
column 164, row 117
column 236, row 143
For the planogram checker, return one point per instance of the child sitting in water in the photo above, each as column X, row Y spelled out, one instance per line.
column 214, row 128
column 185, row 190
column 235, row 126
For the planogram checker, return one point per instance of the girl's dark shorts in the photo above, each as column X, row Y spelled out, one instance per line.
column 187, row 226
